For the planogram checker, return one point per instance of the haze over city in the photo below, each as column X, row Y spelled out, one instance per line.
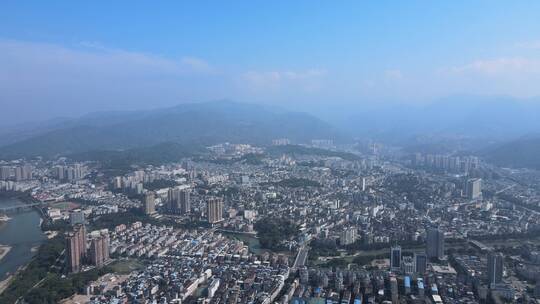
column 279, row 152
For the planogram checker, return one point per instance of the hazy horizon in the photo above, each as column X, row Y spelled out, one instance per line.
column 70, row 59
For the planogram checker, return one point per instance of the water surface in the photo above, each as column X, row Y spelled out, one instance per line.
column 22, row 233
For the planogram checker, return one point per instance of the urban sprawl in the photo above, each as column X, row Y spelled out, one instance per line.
column 290, row 224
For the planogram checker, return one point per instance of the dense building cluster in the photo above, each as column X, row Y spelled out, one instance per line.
column 183, row 263
column 381, row 226
column 78, row 251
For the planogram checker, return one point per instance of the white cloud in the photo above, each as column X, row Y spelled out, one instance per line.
column 498, row 66
column 43, row 78
column 185, row 64
column 512, row 76
column 198, row 65
column 52, row 60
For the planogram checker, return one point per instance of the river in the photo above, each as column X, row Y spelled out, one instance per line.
column 21, row 233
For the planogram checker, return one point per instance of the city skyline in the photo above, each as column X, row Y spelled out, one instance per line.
column 270, row 152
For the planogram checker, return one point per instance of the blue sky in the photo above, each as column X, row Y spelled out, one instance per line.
column 70, row 57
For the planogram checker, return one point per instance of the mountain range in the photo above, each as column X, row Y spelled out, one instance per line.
column 482, row 119
column 196, row 124
column 501, row 129
column 520, row 153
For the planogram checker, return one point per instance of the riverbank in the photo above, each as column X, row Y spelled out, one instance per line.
column 25, row 198
column 4, row 250
column 3, row 222
column 19, row 237
column 19, row 281
column 4, row 284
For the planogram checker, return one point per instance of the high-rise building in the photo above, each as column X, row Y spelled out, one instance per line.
column 26, row 172
column 394, row 291
column 420, row 263
column 96, row 251
column 395, row 258
column 81, row 230
column 149, row 203
column 185, row 203
column 473, row 188
column 339, row 281
column 364, row 184
column 495, row 267
column 281, row 142
column 5, row 172
column 59, row 172
column 407, row 265
column 348, row 236
column 19, row 174
column 23, row 172
column 139, row 188
column 105, row 245
column 214, row 210
column 71, row 173
column 172, row 198
column 76, row 247
column 435, row 243
column 322, row 143
column 78, row 170
column 178, row 201
column 99, row 248
column 73, row 255
column 117, row 182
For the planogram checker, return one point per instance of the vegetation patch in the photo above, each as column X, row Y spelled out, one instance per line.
column 273, row 231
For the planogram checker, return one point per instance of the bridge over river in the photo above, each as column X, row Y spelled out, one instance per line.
column 18, row 208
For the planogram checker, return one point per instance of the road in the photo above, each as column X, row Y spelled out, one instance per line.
column 301, row 257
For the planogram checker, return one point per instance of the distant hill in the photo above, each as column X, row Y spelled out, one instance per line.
column 469, row 121
column 195, row 124
column 521, row 153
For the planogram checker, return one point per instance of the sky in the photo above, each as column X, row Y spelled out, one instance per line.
column 67, row 58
